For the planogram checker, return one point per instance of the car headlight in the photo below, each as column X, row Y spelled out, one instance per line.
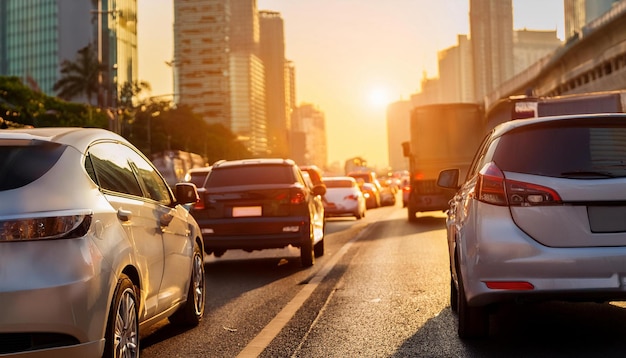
column 44, row 228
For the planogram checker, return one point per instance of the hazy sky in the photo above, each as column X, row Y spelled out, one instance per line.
column 351, row 56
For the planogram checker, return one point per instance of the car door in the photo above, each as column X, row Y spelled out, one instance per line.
column 172, row 224
column 118, row 182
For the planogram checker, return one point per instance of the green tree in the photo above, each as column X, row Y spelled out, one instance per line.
column 80, row 77
column 22, row 106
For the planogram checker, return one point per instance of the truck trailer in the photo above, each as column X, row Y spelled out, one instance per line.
column 442, row 136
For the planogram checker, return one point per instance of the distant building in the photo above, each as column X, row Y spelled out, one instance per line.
column 37, row 36
column 456, row 78
column 531, row 45
column 579, row 13
column 491, row 34
column 309, row 133
column 272, row 53
column 398, row 131
column 218, row 71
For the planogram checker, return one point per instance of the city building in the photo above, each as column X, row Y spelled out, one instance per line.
column 579, row 13
column 456, row 78
column 272, row 54
column 218, row 71
column 529, row 46
column 491, row 34
column 36, row 37
column 398, row 131
column 309, row 134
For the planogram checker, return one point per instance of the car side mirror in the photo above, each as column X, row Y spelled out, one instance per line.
column 186, row 193
column 448, row 179
column 319, row 189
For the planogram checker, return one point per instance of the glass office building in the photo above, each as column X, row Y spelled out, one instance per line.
column 36, row 36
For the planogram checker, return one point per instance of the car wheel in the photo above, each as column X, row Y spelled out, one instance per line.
column 190, row 314
column 122, row 331
column 473, row 321
column 411, row 214
column 307, row 256
column 454, row 297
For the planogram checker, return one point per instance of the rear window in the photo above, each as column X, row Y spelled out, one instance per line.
column 338, row 183
column 577, row 149
column 250, row 175
column 198, row 178
column 22, row 162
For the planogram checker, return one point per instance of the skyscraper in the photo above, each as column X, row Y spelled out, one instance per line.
column 272, row 53
column 218, row 70
column 36, row 36
column 491, row 33
column 578, row 13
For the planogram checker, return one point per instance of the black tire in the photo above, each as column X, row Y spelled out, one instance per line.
column 412, row 214
column 318, row 249
column 454, row 297
column 473, row 321
column 122, row 331
column 191, row 313
column 307, row 255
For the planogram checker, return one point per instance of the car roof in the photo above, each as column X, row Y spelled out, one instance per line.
column 255, row 161
column 79, row 138
column 518, row 123
column 339, row 178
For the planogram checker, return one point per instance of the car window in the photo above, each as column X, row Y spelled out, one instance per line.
column 197, row 178
column 156, row 187
column 22, row 162
column 338, row 183
column 111, row 169
column 250, row 175
column 587, row 149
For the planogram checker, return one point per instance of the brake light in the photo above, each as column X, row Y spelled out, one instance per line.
column 64, row 226
column 297, row 196
column 494, row 188
column 350, row 197
column 199, row 205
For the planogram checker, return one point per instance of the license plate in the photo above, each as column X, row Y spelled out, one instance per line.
column 239, row 211
column 605, row 219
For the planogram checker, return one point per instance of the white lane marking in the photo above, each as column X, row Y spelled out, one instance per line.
column 265, row 337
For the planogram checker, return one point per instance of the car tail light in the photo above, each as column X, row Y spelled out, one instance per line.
column 43, row 228
column 494, row 188
column 297, row 196
column 350, row 197
column 199, row 205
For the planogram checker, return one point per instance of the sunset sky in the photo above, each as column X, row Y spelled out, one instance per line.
column 352, row 57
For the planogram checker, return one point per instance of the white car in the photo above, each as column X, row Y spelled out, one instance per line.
column 343, row 197
column 540, row 216
column 94, row 246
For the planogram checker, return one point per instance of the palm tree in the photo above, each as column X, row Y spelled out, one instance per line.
column 81, row 76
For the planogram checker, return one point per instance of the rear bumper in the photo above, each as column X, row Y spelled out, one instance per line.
column 254, row 233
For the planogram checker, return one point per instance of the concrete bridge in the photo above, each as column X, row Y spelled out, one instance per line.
column 591, row 61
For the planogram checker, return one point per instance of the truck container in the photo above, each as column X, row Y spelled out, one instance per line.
column 442, row 136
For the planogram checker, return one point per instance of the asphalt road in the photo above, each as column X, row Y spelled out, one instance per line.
column 380, row 290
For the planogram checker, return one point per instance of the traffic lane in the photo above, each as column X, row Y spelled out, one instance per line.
column 244, row 292
column 390, row 282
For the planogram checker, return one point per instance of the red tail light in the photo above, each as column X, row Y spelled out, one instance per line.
column 297, row 196
column 493, row 188
column 350, row 197
column 199, row 205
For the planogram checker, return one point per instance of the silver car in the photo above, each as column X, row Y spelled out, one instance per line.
column 540, row 216
column 94, row 246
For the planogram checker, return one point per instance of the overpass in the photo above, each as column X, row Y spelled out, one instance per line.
column 591, row 61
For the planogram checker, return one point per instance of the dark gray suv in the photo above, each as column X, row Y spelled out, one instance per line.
column 258, row 204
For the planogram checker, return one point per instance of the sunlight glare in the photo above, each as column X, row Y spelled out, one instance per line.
column 379, row 97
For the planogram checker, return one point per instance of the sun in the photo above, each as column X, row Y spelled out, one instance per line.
column 378, row 97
